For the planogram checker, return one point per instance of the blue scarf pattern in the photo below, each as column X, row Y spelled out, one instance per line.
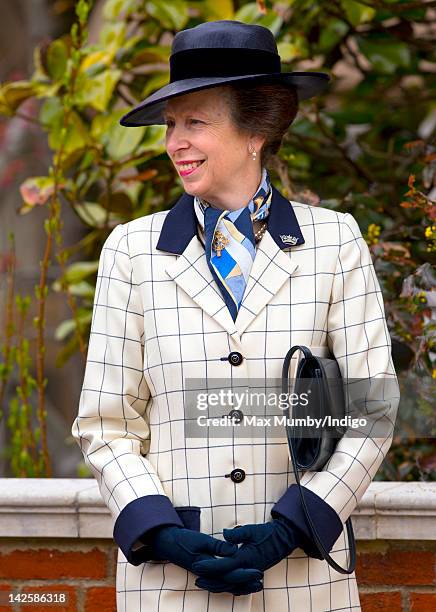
column 229, row 241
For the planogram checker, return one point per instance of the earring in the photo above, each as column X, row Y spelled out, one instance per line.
column 253, row 153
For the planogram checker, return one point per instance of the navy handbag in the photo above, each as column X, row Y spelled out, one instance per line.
column 323, row 377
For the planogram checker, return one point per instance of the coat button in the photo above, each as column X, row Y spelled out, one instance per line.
column 237, row 415
column 235, row 358
column 236, row 475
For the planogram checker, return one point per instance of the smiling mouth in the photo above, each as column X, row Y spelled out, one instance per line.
column 191, row 166
column 185, row 169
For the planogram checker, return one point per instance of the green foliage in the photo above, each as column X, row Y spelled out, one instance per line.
column 366, row 147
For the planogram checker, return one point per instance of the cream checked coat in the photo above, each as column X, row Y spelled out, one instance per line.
column 159, row 319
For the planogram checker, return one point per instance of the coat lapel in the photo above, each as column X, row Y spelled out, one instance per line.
column 272, row 266
column 191, row 273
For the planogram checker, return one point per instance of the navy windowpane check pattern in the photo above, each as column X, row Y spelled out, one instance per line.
column 159, row 318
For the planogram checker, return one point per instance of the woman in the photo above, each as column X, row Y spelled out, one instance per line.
column 221, row 286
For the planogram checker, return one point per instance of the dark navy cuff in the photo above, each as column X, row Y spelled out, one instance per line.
column 327, row 522
column 138, row 518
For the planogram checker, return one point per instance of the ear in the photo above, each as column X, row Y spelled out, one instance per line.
column 257, row 142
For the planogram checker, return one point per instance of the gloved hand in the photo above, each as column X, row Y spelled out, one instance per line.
column 184, row 547
column 263, row 546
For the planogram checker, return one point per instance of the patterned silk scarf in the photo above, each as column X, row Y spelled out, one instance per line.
column 229, row 241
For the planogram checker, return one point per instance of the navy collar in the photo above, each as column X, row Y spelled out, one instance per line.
column 180, row 224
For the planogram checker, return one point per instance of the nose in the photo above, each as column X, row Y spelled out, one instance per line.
column 176, row 140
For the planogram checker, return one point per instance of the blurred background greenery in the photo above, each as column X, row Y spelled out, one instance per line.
column 366, row 146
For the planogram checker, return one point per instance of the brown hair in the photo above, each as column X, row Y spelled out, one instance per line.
column 266, row 109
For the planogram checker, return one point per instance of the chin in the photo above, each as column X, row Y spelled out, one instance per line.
column 191, row 191
column 194, row 191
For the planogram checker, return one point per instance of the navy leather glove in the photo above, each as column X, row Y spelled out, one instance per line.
column 184, row 547
column 263, row 546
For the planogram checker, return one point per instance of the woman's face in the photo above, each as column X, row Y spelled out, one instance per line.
column 200, row 129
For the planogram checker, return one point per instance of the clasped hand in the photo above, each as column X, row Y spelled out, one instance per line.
column 240, row 569
column 184, row 547
column 263, row 546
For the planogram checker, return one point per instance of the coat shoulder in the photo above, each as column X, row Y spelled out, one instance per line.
column 308, row 213
column 323, row 225
column 142, row 234
column 147, row 223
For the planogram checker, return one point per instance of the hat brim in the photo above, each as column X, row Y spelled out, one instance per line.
column 149, row 111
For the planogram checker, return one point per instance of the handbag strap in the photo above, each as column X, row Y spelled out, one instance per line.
column 315, row 535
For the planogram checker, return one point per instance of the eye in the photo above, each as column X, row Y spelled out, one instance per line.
column 170, row 122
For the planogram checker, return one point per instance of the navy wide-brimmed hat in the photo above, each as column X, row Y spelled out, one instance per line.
column 219, row 52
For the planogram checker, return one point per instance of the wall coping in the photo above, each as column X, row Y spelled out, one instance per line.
column 74, row 508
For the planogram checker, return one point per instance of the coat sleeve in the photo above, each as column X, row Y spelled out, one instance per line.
column 359, row 339
column 111, row 427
